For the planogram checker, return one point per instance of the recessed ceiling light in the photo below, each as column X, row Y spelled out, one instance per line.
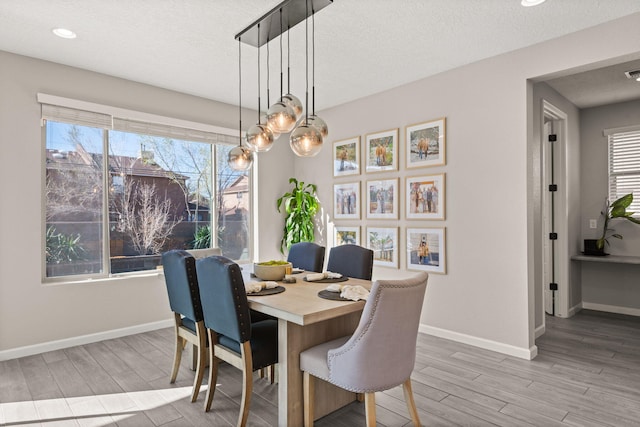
column 64, row 33
column 527, row 3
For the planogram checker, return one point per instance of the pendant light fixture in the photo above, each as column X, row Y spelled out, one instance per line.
column 259, row 137
column 306, row 140
column 240, row 158
column 314, row 120
column 281, row 118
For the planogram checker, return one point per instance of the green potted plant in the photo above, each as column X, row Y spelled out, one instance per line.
column 300, row 205
column 617, row 209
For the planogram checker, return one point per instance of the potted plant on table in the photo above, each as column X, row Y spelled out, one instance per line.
column 300, row 205
column 617, row 209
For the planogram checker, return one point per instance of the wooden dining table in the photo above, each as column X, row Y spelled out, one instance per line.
column 305, row 320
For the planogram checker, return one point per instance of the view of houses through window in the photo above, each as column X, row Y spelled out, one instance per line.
column 115, row 200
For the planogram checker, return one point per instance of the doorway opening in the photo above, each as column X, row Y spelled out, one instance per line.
column 555, row 274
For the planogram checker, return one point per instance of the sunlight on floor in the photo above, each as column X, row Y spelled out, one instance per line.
column 95, row 411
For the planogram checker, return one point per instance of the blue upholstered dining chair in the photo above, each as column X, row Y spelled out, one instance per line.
column 379, row 355
column 307, row 255
column 184, row 299
column 205, row 252
column 351, row 261
column 233, row 337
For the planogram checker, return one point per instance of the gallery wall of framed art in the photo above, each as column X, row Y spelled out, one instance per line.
column 391, row 186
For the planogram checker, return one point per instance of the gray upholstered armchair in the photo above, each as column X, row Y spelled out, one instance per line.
column 381, row 352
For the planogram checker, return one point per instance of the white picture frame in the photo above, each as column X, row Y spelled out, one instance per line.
column 382, row 199
column 346, row 200
column 383, row 241
column 426, row 250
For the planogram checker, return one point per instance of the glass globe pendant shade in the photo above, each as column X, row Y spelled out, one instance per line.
column 306, row 141
column 259, row 138
column 264, row 122
column 319, row 124
column 281, row 118
column 240, row 158
column 293, row 102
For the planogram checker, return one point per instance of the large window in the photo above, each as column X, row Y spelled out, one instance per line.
column 624, row 164
column 118, row 193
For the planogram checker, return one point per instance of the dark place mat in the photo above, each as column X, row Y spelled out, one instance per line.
column 331, row 295
column 341, row 279
column 271, row 291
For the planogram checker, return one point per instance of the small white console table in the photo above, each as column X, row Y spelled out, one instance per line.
column 610, row 283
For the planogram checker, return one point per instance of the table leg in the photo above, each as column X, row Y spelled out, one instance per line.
column 292, row 340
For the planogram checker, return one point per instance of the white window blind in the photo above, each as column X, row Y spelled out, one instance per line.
column 75, row 116
column 84, row 113
column 624, row 166
column 174, row 132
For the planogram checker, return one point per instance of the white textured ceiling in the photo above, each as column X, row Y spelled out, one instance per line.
column 363, row 46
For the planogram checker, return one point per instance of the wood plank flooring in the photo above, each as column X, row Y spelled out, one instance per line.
column 587, row 373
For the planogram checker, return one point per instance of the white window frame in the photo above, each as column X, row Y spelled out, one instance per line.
column 624, row 164
column 67, row 110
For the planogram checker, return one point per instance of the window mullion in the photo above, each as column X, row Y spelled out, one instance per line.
column 106, row 223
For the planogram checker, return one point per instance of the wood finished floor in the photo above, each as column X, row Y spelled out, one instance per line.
column 587, row 373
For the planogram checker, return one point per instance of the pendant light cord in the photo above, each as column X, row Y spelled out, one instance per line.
column 288, row 60
column 281, row 77
column 240, row 91
column 313, row 59
column 268, row 62
column 306, row 61
column 258, row 74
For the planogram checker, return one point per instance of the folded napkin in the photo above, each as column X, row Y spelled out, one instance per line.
column 320, row 276
column 354, row 293
column 335, row 287
column 253, row 287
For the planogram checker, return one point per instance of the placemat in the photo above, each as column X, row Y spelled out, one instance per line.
column 327, row 280
column 271, row 291
column 332, row 295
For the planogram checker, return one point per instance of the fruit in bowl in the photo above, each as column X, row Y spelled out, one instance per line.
column 270, row 270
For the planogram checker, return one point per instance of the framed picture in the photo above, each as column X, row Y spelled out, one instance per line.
column 346, row 200
column 346, row 157
column 426, row 250
column 425, row 197
column 384, row 244
column 426, row 144
column 382, row 199
column 346, row 236
column 382, row 151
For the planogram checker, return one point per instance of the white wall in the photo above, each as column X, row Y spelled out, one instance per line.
column 32, row 313
column 567, row 201
column 487, row 297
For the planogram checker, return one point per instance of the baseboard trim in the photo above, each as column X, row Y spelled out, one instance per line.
column 540, row 330
column 575, row 309
column 611, row 308
column 522, row 353
column 30, row 350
